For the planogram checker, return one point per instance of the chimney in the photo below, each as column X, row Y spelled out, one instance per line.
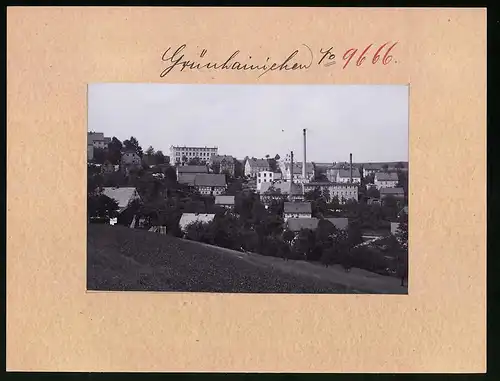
column 350, row 167
column 305, row 157
column 291, row 167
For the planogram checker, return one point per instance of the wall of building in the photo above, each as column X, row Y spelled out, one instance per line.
column 203, row 153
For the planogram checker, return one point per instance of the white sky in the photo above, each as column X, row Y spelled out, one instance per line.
column 254, row 120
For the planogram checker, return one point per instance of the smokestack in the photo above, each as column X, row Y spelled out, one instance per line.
column 291, row 167
column 350, row 166
column 305, row 157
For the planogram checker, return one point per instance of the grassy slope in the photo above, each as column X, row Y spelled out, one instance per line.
column 119, row 258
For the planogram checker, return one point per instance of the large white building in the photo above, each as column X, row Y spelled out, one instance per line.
column 264, row 177
column 202, row 153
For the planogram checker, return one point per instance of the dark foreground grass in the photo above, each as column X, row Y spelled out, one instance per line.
column 123, row 259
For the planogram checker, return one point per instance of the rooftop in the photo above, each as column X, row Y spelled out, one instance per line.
column 285, row 187
column 186, row 178
column 224, row 200
column 297, row 207
column 192, row 169
column 347, row 173
column 297, row 167
column 210, row 180
column 392, row 191
column 189, row 218
column 122, row 195
column 386, row 176
column 258, row 163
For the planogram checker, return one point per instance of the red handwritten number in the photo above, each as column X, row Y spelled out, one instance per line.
column 387, row 58
column 348, row 56
column 377, row 56
column 362, row 56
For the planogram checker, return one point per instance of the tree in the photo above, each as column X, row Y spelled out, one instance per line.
column 99, row 155
column 372, row 192
column 101, row 206
column 385, row 167
column 239, row 170
column 215, row 167
column 184, row 159
column 305, row 243
column 325, row 194
column 170, row 174
column 312, row 195
column 159, row 158
column 199, row 231
column 268, row 156
column 150, row 151
column 114, row 154
column 133, row 144
column 277, row 157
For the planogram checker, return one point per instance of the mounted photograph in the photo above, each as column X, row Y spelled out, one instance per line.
column 248, row 188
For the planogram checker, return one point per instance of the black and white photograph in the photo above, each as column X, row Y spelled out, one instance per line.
column 299, row 189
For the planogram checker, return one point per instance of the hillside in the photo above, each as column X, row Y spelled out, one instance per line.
column 119, row 258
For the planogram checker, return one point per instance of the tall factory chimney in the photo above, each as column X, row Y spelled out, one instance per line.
column 291, row 167
column 350, row 167
column 305, row 157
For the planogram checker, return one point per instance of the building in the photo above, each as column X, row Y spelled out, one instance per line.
column 187, row 173
column 295, row 225
column 130, row 160
column 195, row 169
column 280, row 191
column 398, row 193
column 297, row 171
column 225, row 201
column 372, row 168
column 122, row 195
column 254, row 166
column 210, row 184
column 344, row 176
column 264, row 177
column 225, row 163
column 96, row 140
column 297, row 210
column 343, row 191
column 190, row 218
column 394, row 227
column 386, row 180
column 177, row 153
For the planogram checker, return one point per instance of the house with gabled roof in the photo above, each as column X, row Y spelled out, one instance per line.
column 253, row 166
column 398, row 193
column 225, row 163
column 190, row 218
column 297, row 210
column 280, row 191
column 344, row 176
column 122, row 195
column 286, row 169
column 224, row 201
column 386, row 180
column 210, row 183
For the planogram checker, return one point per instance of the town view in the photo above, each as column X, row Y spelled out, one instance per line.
column 197, row 218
